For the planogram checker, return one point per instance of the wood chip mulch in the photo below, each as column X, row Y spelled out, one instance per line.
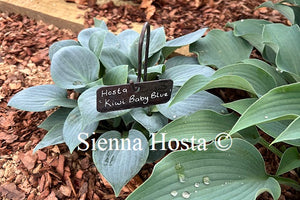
column 180, row 17
column 53, row 173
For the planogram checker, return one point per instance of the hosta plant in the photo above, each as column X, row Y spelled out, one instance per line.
column 272, row 105
column 100, row 58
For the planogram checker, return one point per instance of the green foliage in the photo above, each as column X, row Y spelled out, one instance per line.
column 100, row 58
column 291, row 10
column 119, row 166
column 238, row 173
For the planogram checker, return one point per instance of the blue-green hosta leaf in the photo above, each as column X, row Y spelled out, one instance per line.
column 116, row 75
column 157, row 42
column 181, row 73
column 273, row 128
column 279, row 103
column 35, row 98
column 187, row 39
column 157, row 69
column 100, row 24
column 260, row 80
column 74, row 126
column 204, row 124
column 74, row 67
column 199, row 82
column 96, row 42
column 152, row 123
column 181, row 60
column 199, row 101
column 119, row 163
column 126, row 39
column 111, row 41
column 285, row 41
column 278, row 78
column 289, row 161
column 87, row 103
column 54, row 136
column 60, row 44
column 156, row 154
column 219, row 48
column 155, row 59
column 112, row 57
column 64, row 102
column 58, row 117
column 296, row 2
column 236, row 174
column 85, row 35
column 127, row 119
column 241, row 105
column 286, row 10
column 239, row 76
column 290, row 133
column 250, row 30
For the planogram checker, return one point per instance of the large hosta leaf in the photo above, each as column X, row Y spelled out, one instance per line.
column 75, row 130
column 35, row 98
column 289, row 161
column 279, row 103
column 290, row 12
column 112, row 57
column 58, row 117
column 181, row 60
column 117, row 75
column 118, row 162
column 260, row 80
column 277, row 76
column 157, row 42
column 181, row 73
column 87, row 104
column 292, row 132
column 96, row 42
column 74, row 67
column 85, row 35
column 100, row 24
column 60, row 44
column 250, row 30
column 273, row 128
column 285, row 42
column 202, row 124
column 236, row 174
column 64, row 102
column 152, row 122
column 54, row 136
column 126, row 39
column 242, row 76
column 187, row 39
column 200, row 101
column 219, row 48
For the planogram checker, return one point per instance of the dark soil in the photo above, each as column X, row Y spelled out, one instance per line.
column 53, row 173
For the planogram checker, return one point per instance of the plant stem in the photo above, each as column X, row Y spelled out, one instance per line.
column 287, row 181
column 266, row 144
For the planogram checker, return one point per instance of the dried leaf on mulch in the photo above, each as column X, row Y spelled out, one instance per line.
column 150, row 9
column 10, row 191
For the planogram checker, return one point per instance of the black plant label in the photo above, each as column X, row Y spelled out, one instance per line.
column 142, row 94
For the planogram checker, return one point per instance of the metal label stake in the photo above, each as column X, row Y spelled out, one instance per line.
column 139, row 94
